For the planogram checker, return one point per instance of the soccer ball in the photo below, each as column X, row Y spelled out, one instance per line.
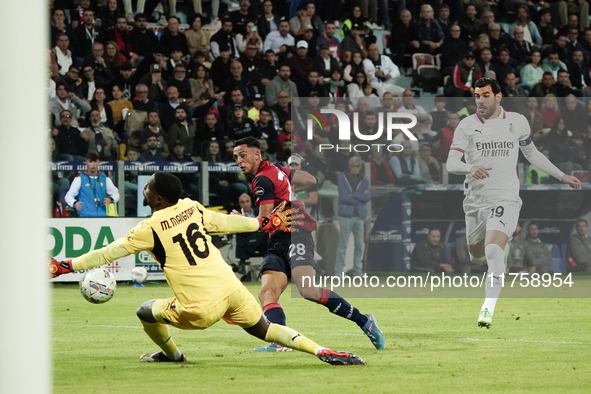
column 98, row 286
column 139, row 275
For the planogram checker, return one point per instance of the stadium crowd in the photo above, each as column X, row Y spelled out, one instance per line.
column 136, row 85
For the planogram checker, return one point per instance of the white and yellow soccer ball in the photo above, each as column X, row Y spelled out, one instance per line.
column 139, row 275
column 98, row 286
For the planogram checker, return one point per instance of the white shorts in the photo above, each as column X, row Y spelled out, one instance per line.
column 483, row 216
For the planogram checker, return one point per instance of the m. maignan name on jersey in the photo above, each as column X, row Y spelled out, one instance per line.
column 178, row 219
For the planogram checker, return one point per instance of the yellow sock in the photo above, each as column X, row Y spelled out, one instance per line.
column 288, row 337
column 158, row 333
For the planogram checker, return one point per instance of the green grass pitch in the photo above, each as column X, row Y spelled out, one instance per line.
column 433, row 346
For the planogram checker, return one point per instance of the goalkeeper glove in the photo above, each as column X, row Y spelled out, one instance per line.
column 281, row 219
column 57, row 268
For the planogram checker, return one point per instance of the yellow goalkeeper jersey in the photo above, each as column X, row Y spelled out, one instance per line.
column 178, row 239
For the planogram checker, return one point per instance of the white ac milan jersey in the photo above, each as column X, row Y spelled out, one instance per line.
column 493, row 143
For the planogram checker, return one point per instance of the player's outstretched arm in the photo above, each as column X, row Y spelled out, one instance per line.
column 535, row 157
column 89, row 260
column 302, row 180
column 279, row 219
column 456, row 166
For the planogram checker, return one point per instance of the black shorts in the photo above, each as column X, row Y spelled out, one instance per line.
column 289, row 250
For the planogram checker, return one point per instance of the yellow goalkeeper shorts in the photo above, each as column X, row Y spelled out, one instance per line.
column 238, row 308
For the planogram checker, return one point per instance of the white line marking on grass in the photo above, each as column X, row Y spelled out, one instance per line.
column 344, row 334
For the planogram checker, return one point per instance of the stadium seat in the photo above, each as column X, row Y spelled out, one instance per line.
column 422, row 59
column 448, row 248
column 582, row 176
column 438, row 61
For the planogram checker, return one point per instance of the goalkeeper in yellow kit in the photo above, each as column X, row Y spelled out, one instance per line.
column 205, row 288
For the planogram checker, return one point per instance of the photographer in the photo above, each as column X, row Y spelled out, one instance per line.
column 92, row 191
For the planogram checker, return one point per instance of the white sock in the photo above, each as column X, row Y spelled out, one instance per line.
column 176, row 356
column 495, row 257
column 320, row 348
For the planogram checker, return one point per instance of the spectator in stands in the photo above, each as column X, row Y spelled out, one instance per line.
column 430, row 168
column 429, row 255
column 310, row 196
column 422, row 129
column 267, row 127
column 381, row 172
column 579, row 73
column 282, row 110
column 533, row 116
column 312, row 86
column 240, row 126
column 87, row 34
column 168, row 109
column 97, row 61
column 209, row 129
column 381, row 72
column 245, row 241
column 552, row 64
column 109, row 13
column 443, row 17
column 142, row 102
column 430, row 33
column 153, row 152
column 326, row 63
column 510, row 89
column 251, row 64
column 269, row 67
column 119, row 107
column 405, row 37
column 182, row 129
column 485, row 62
column 328, row 38
column 178, row 154
column 559, row 47
column 572, row 41
column 532, row 35
column 265, row 155
column 574, row 115
column 579, row 8
column 441, row 143
column 71, row 79
column 280, row 39
column 541, row 89
column 268, row 21
column 301, row 21
column 197, row 36
column 121, row 36
column 281, row 83
column 143, row 41
column 505, row 65
column 579, row 248
column 533, row 72
column 89, row 84
column 60, row 25
column 124, row 80
column 353, row 43
column 250, row 37
column 92, row 192
column 100, row 138
column 258, row 101
column 498, row 38
column 405, row 166
column 549, row 110
column 561, row 154
column 98, row 102
column 586, row 45
column 521, row 258
column 113, row 57
column 238, row 82
column 564, row 87
column 439, row 115
column 153, row 129
column 535, row 176
column 519, row 48
column 308, row 37
column 464, row 74
column 541, row 252
column 67, row 100
column 354, row 194
column 335, row 87
column 353, row 67
column 63, row 53
column 181, row 82
column 220, row 68
column 470, row 24
column 579, row 151
column 241, row 17
column 545, row 27
column 315, row 20
column 172, row 37
column 70, row 142
column 453, row 49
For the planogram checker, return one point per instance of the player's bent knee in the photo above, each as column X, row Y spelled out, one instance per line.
column 309, row 293
column 144, row 312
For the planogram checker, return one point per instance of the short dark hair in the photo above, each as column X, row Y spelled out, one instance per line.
column 250, row 142
column 168, row 186
column 559, row 71
column 266, row 109
column 549, row 73
column 139, row 16
column 57, row 86
column 92, row 156
column 493, row 83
